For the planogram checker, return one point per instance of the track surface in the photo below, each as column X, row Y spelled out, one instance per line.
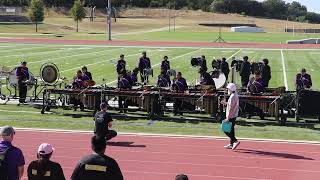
column 161, row 158
column 160, row 43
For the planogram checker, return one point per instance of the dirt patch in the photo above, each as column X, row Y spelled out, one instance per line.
column 66, row 28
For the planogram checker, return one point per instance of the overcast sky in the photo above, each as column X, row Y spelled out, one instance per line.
column 312, row 5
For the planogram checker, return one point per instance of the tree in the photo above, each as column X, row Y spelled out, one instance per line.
column 78, row 12
column 36, row 12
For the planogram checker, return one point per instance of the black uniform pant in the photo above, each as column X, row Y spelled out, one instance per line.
column 245, row 80
column 177, row 106
column 266, row 82
column 22, row 92
column 111, row 134
column 231, row 134
column 78, row 103
column 123, row 104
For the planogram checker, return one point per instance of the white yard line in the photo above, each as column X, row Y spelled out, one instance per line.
column 35, row 53
column 74, row 55
column 234, row 54
column 284, row 70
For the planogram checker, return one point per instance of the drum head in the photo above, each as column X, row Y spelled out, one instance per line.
column 49, row 73
column 13, row 79
column 220, row 80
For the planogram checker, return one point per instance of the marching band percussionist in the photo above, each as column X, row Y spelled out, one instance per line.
column 206, row 79
column 78, row 83
column 23, row 76
column 179, row 86
column 144, row 63
column 165, row 64
column 303, row 80
column 164, row 79
column 266, row 72
column 203, row 66
column 124, row 83
column 86, row 72
column 121, row 65
column 256, row 84
column 134, row 77
column 224, row 66
column 245, row 71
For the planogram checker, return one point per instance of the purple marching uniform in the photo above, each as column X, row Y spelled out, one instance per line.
column 121, row 66
column 165, row 65
column 23, row 74
column 303, row 81
column 133, row 79
column 256, row 86
column 180, row 86
column 144, row 63
column 164, row 81
column 124, row 83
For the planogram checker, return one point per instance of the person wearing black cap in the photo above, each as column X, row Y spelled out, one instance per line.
column 206, row 79
column 103, row 123
column 86, row 72
column 245, row 72
column 43, row 168
column 97, row 166
column 121, row 65
column 224, row 66
column 23, row 76
column 12, row 160
column 266, row 72
column 181, row 177
column 165, row 64
column 144, row 63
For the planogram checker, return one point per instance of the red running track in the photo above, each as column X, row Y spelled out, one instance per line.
column 161, row 158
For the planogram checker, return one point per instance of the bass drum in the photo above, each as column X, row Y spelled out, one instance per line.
column 49, row 73
column 219, row 79
column 13, row 79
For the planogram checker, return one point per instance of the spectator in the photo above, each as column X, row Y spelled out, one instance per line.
column 97, row 166
column 182, row 177
column 43, row 168
column 12, row 167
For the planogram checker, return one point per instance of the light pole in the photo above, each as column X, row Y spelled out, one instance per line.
column 109, row 11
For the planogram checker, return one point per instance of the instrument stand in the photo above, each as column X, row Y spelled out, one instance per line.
column 220, row 39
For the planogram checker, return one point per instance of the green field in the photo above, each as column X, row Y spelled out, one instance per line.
column 101, row 62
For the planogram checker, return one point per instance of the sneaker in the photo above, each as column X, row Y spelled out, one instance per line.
column 235, row 145
column 229, row 146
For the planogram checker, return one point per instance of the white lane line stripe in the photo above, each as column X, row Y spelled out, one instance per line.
column 174, row 136
column 284, row 71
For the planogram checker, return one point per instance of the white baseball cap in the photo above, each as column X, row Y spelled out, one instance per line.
column 232, row 87
column 45, row 149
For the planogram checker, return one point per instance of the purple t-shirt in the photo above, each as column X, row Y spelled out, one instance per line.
column 15, row 158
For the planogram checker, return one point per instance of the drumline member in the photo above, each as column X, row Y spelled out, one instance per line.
column 303, row 80
column 23, row 76
column 245, row 71
column 266, row 72
column 163, row 79
column 179, row 86
column 224, row 66
column 79, row 83
column 86, row 72
column 256, row 84
column 206, row 79
column 124, row 83
column 134, row 77
column 121, row 65
column 232, row 111
column 144, row 63
column 103, row 123
column 203, row 66
column 165, row 64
